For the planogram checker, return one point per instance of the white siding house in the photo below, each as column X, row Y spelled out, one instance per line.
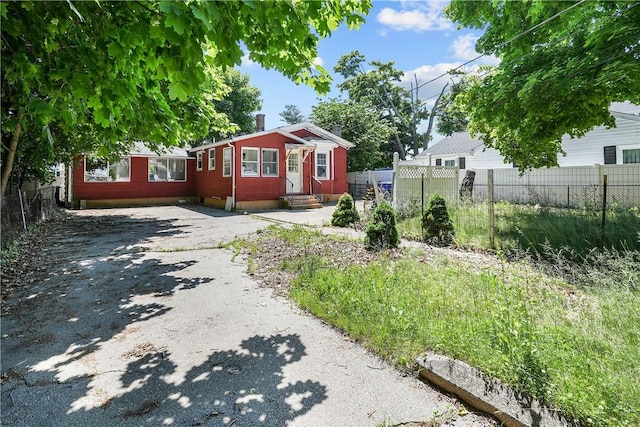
column 619, row 145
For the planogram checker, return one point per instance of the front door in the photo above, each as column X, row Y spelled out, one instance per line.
column 294, row 173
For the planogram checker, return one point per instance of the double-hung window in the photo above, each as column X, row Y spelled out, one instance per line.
column 250, row 161
column 100, row 170
column 269, row 162
column 322, row 162
column 212, row 158
column 226, row 162
column 199, row 160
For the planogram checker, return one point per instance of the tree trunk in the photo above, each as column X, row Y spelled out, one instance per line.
column 432, row 116
column 7, row 162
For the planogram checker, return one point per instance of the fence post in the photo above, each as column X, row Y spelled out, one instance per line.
column 492, row 221
column 394, row 179
column 604, row 208
column 22, row 203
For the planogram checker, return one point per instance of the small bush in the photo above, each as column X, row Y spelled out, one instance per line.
column 381, row 231
column 345, row 213
column 436, row 225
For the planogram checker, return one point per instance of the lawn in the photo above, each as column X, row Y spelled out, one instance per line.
column 562, row 330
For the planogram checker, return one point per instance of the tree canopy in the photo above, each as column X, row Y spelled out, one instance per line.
column 291, row 114
column 238, row 104
column 360, row 125
column 562, row 65
column 146, row 70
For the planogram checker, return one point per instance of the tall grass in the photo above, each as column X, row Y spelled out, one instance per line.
column 576, row 350
column 525, row 227
column 574, row 345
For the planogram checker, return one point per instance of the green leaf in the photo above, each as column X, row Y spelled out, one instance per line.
column 178, row 90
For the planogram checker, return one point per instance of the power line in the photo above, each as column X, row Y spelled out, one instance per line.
column 505, row 43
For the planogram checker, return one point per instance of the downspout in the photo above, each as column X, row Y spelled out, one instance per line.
column 69, row 175
column 233, row 173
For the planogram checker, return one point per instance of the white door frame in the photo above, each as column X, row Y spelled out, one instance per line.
column 294, row 172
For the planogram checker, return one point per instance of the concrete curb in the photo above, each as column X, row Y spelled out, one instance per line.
column 487, row 394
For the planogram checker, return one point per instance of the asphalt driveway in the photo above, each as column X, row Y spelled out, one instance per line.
column 141, row 317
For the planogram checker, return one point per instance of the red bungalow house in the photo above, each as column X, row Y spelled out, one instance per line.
column 293, row 166
column 296, row 166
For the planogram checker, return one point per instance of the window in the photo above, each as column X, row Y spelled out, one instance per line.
column 164, row 170
column 226, row 161
column 321, row 165
column 438, row 162
column 269, row 162
column 199, row 160
column 293, row 163
column 100, row 170
column 631, row 156
column 449, row 162
column 610, row 155
column 212, row 158
column 250, row 162
column 462, row 163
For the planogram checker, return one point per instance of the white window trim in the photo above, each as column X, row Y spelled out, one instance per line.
column 451, row 162
column 199, row 161
column 619, row 153
column 84, row 175
column 326, row 165
column 257, row 161
column 212, row 160
column 225, row 151
column 277, row 172
column 166, row 159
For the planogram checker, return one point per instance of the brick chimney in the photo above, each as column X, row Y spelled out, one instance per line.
column 337, row 130
column 259, row 122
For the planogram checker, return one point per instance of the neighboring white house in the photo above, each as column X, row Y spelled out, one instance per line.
column 619, row 145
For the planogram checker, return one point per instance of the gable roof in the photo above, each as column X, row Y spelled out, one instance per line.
column 317, row 130
column 287, row 132
column 457, row 143
column 626, row 110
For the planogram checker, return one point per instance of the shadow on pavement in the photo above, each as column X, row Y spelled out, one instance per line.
column 92, row 285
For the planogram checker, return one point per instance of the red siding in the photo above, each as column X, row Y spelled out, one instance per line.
column 261, row 187
column 139, row 185
column 211, row 183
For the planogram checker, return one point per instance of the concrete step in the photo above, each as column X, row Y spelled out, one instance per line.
column 300, row 201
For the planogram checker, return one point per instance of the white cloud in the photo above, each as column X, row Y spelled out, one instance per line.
column 246, row 62
column 415, row 16
column 425, row 74
column 318, row 61
column 464, row 48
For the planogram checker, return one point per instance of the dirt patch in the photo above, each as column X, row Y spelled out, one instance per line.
column 273, row 259
column 142, row 350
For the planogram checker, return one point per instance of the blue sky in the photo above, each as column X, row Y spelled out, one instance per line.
column 413, row 34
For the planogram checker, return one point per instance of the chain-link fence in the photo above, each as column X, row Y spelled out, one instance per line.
column 603, row 199
column 21, row 210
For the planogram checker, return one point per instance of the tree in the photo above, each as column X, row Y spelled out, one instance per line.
column 291, row 115
column 238, row 104
column 144, row 70
column 360, row 125
column 378, row 88
column 562, row 65
column 451, row 117
column 345, row 213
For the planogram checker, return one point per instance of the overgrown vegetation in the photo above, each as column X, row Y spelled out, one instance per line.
column 568, row 340
column 535, row 229
column 346, row 213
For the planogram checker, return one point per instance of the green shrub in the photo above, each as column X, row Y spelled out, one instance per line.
column 381, row 231
column 436, row 225
column 345, row 213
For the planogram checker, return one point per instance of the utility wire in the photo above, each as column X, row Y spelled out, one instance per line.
column 506, row 42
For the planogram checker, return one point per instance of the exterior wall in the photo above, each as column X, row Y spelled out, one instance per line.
column 209, row 184
column 138, row 190
column 249, row 188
